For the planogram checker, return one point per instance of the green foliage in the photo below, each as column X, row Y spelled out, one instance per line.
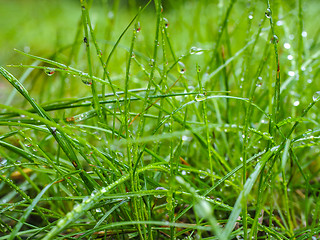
column 192, row 119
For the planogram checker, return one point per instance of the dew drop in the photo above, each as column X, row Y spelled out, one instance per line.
column 160, row 188
column 110, row 15
column 250, row 17
column 138, row 29
column 268, row 13
column 151, row 62
column 304, row 34
column 86, row 82
column 287, row 45
column 49, row 71
column 316, row 96
column 280, row 23
column 195, row 50
column 200, row 97
column 296, row 103
column 182, row 67
column 274, row 39
column 166, row 22
column 54, row 130
column 291, row 73
column 185, row 138
column 26, row 49
column 290, row 57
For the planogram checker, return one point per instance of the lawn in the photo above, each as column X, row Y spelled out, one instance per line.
column 159, row 119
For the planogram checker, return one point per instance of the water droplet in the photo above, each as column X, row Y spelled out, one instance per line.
column 86, row 82
column 274, row 39
column 280, row 23
column 151, row 62
column 195, row 50
column 268, row 13
column 3, row 162
column 291, row 73
column 26, row 49
column 186, row 138
column 250, row 17
column 183, row 172
column 49, row 71
column 287, row 45
column 94, row 192
column 304, row 34
column 290, row 57
column 200, row 97
column 296, row 103
column 259, row 82
column 110, row 15
column 165, row 22
column 138, row 29
column 182, row 67
column 54, row 130
column 316, row 96
column 160, row 188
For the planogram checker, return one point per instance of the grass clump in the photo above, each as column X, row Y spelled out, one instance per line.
column 185, row 120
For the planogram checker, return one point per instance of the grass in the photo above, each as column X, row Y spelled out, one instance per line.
column 183, row 120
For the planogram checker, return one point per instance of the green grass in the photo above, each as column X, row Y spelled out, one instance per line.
column 175, row 120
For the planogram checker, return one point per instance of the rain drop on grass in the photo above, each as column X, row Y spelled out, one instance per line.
column 274, row 39
column 268, row 13
column 304, row 34
column 195, row 50
column 49, row 71
column 138, row 27
column 166, row 22
column 316, row 96
column 200, row 97
column 160, row 188
column 151, row 63
column 86, row 82
column 280, row 23
column 287, row 45
column 182, row 67
column 291, row 73
column 296, row 103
